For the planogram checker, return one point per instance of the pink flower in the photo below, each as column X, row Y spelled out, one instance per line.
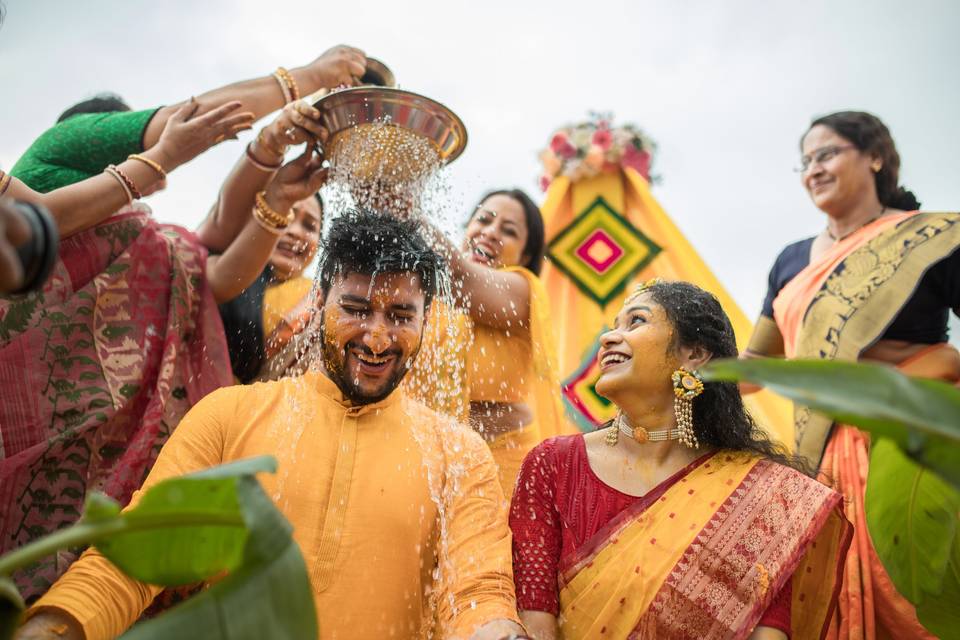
column 637, row 160
column 544, row 183
column 602, row 138
column 561, row 146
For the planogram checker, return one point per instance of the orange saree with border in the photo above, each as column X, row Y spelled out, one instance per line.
column 707, row 558
column 835, row 308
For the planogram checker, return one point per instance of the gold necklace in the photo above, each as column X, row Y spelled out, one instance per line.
column 620, row 425
column 850, row 233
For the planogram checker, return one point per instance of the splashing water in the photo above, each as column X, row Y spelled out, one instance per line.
column 388, row 168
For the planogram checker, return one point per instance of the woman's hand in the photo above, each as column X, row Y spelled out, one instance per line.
column 297, row 123
column 187, row 135
column 296, row 181
column 339, row 66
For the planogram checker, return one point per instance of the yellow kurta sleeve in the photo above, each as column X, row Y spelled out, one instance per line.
column 477, row 586
column 97, row 594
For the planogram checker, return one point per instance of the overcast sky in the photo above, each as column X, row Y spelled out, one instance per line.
column 725, row 88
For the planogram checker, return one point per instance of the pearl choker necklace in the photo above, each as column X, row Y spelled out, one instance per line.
column 638, row 433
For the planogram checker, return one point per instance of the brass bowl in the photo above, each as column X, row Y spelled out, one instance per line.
column 348, row 109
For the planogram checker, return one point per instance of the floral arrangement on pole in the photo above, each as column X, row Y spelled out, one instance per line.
column 587, row 149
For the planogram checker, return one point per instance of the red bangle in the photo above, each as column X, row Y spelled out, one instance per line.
column 131, row 185
column 270, row 168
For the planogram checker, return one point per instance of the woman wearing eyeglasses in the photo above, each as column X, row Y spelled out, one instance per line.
column 877, row 284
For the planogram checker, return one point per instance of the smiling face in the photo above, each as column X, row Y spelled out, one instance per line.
column 838, row 174
column 497, row 233
column 371, row 332
column 298, row 244
column 639, row 354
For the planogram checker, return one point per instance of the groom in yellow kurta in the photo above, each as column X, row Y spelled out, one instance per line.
column 398, row 510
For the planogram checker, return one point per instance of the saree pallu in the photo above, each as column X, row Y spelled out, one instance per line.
column 707, row 558
column 462, row 362
column 869, row 604
column 96, row 370
column 834, row 309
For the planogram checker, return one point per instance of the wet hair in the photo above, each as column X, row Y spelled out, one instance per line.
column 867, row 133
column 719, row 418
column 100, row 103
column 536, row 243
column 368, row 242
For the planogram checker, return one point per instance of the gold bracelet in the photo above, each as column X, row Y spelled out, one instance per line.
column 265, row 224
column 275, row 218
column 283, row 87
column 291, row 83
column 150, row 163
column 262, row 141
column 5, row 180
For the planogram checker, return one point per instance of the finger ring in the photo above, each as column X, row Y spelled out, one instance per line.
column 289, row 131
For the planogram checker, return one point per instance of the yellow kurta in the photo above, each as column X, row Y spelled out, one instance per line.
column 361, row 487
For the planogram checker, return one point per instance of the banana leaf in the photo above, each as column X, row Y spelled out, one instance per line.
column 188, row 529
column 921, row 416
column 912, row 503
column 912, row 518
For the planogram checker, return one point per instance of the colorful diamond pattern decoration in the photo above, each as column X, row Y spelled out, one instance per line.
column 584, row 405
column 600, row 251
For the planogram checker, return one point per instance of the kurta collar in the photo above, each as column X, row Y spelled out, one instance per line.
column 326, row 388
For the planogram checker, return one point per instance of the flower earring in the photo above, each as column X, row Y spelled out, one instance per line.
column 687, row 385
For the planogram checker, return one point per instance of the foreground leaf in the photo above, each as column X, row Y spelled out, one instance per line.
column 912, row 516
column 268, row 596
column 185, row 530
column 921, row 416
column 939, row 615
column 204, row 530
column 11, row 606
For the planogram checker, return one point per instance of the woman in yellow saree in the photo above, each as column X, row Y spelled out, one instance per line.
column 877, row 285
column 680, row 519
column 492, row 361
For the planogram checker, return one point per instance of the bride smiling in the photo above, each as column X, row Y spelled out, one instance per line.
column 679, row 519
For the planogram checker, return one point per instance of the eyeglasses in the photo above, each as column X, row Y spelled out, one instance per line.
column 824, row 154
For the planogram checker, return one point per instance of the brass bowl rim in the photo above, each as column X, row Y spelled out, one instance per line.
column 457, row 123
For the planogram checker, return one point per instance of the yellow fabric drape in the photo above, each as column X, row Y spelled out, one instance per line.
column 461, row 362
column 708, row 557
column 578, row 318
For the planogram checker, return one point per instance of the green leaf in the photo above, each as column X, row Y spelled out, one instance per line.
column 912, row 516
column 188, row 529
column 11, row 606
column 99, row 507
column 269, row 596
column 189, row 552
column 921, row 416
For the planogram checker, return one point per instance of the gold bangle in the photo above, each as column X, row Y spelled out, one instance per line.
column 266, row 224
column 262, row 141
column 150, row 163
column 284, row 89
column 275, row 217
column 5, row 180
column 290, row 83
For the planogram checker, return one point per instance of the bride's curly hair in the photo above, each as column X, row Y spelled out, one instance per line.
column 719, row 418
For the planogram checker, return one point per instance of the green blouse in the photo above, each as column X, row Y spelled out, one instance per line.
column 80, row 147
